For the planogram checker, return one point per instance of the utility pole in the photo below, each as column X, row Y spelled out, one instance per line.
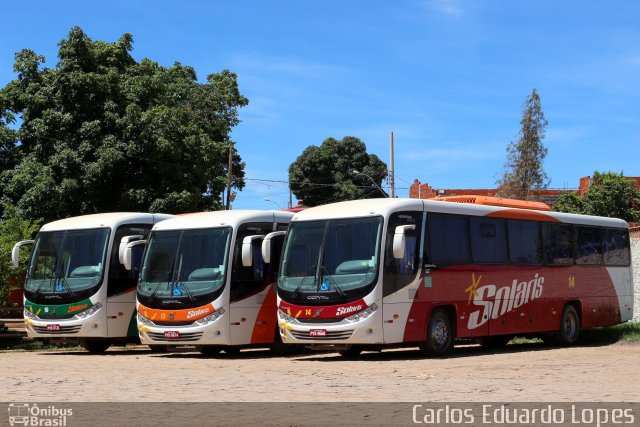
column 392, row 191
column 229, row 176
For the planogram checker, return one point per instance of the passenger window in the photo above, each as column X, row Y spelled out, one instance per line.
column 588, row 251
column 557, row 240
column 615, row 245
column 488, row 240
column 448, row 239
column 524, row 242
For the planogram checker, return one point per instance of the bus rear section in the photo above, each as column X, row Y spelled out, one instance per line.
column 76, row 287
column 205, row 282
column 368, row 274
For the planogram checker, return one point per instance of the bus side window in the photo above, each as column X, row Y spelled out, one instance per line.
column 557, row 240
column 448, row 237
column 525, row 245
column 399, row 273
column 588, row 250
column 615, row 247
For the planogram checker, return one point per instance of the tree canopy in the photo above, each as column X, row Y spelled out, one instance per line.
column 609, row 194
column 523, row 175
column 103, row 132
column 336, row 170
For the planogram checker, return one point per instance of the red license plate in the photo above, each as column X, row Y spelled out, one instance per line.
column 171, row 335
column 317, row 332
column 53, row 327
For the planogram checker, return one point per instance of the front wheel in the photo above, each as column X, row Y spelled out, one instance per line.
column 95, row 346
column 351, row 352
column 569, row 327
column 439, row 334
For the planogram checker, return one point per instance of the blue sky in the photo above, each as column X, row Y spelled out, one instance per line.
column 448, row 77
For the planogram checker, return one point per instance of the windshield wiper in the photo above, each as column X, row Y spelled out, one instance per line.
column 333, row 282
column 169, row 283
column 296, row 291
column 66, row 285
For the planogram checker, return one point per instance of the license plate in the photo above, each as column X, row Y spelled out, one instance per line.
column 171, row 335
column 53, row 327
column 317, row 332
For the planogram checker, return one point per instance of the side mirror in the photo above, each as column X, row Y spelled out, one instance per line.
column 123, row 245
column 266, row 245
column 127, row 257
column 247, row 249
column 399, row 240
column 15, row 252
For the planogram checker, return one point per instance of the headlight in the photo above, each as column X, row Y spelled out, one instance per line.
column 29, row 314
column 363, row 314
column 210, row 318
column 89, row 311
column 285, row 316
column 143, row 320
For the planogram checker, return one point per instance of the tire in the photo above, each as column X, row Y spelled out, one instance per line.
column 209, row 350
column 159, row 348
column 439, row 334
column 495, row 341
column 569, row 327
column 232, row 351
column 95, row 346
column 351, row 353
column 281, row 349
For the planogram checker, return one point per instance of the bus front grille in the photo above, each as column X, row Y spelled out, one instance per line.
column 184, row 336
column 61, row 330
column 330, row 335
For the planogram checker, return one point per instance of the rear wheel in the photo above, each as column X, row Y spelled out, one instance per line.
column 95, row 345
column 569, row 327
column 439, row 334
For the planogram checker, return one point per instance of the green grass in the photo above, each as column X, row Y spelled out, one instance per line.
column 26, row 344
column 625, row 332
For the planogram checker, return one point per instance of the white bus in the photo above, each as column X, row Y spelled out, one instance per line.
column 76, row 285
column 365, row 274
column 205, row 282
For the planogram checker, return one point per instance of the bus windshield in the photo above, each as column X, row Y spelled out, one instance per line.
column 67, row 261
column 333, row 259
column 184, row 263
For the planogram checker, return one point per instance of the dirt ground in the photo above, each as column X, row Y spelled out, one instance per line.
column 521, row 372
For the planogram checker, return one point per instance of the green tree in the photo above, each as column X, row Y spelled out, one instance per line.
column 336, row 170
column 13, row 229
column 523, row 175
column 103, row 132
column 609, row 194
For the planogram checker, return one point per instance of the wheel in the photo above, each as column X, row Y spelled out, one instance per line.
column 209, row 350
column 439, row 334
column 281, row 349
column 352, row 352
column 495, row 341
column 232, row 351
column 569, row 327
column 95, row 345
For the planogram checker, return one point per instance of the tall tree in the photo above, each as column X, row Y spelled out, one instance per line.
column 523, row 175
column 102, row 132
column 609, row 194
column 336, row 170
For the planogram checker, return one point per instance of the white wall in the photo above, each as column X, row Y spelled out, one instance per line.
column 635, row 259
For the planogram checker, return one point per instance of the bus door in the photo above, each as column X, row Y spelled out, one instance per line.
column 401, row 279
column 251, row 288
